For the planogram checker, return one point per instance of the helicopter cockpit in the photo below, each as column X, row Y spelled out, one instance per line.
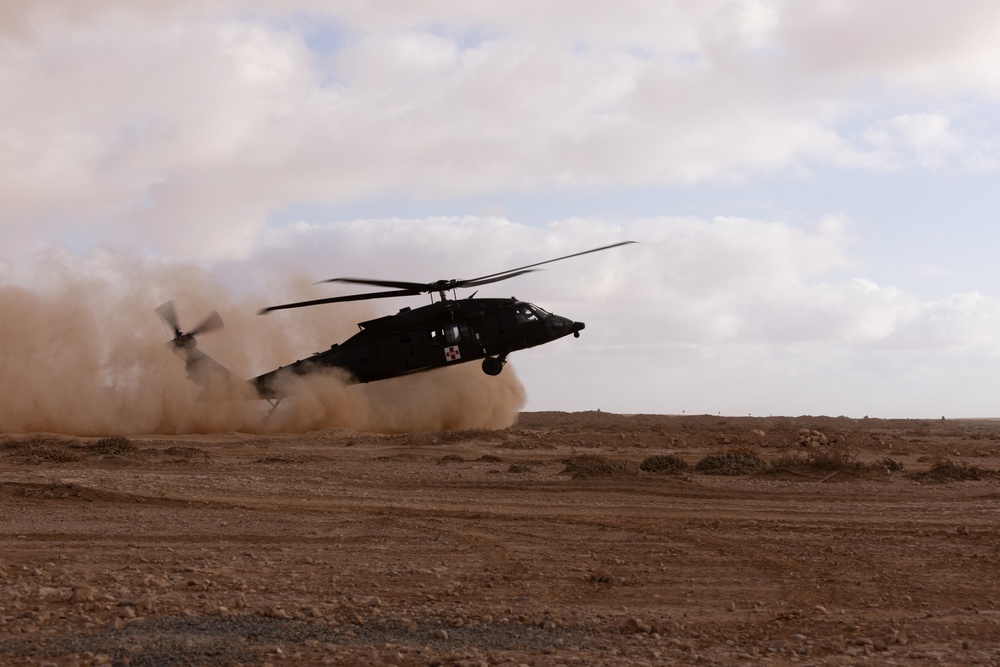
column 525, row 312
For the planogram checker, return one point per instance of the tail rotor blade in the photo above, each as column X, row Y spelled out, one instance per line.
column 169, row 315
column 210, row 323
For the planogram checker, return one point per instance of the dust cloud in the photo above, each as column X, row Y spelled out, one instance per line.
column 83, row 353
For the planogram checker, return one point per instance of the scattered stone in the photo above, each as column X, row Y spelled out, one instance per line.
column 82, row 593
column 809, row 437
column 635, row 626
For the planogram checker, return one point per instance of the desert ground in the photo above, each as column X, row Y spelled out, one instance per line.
column 566, row 539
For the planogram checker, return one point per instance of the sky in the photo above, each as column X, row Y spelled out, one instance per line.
column 812, row 185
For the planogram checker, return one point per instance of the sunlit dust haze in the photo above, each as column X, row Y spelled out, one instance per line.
column 84, row 354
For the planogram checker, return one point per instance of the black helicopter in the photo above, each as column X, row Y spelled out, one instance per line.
column 442, row 333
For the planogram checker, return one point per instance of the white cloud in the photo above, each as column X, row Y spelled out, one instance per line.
column 929, row 136
column 182, row 126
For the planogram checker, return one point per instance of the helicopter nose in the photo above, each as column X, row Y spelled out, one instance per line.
column 561, row 326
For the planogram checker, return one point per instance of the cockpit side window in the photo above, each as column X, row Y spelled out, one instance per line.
column 540, row 312
column 523, row 313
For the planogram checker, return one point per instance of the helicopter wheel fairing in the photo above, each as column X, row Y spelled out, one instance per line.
column 492, row 366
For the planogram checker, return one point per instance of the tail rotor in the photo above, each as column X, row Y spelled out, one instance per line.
column 184, row 340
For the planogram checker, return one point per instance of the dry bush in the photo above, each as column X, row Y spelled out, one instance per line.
column 946, row 470
column 668, row 463
column 519, row 468
column 116, row 445
column 589, row 465
column 741, row 460
column 890, row 464
column 826, row 461
column 42, row 448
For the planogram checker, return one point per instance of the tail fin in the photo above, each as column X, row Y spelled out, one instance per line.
column 218, row 382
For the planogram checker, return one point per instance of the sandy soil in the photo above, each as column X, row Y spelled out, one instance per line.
column 849, row 542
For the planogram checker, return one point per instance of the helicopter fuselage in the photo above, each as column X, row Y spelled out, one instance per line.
column 443, row 333
column 439, row 334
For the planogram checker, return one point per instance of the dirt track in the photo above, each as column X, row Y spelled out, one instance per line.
column 543, row 544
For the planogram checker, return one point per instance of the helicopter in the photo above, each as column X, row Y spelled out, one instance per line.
column 445, row 332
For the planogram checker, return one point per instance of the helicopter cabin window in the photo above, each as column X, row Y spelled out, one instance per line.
column 523, row 313
column 452, row 334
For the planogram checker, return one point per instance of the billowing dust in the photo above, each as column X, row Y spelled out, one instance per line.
column 83, row 353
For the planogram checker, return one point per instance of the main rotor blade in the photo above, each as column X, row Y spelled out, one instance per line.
column 476, row 281
column 169, row 315
column 340, row 299
column 485, row 280
column 402, row 288
column 380, row 283
column 210, row 323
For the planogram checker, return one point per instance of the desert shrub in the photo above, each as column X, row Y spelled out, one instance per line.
column 450, row 458
column 590, row 465
column 823, row 461
column 741, row 460
column 947, row 470
column 39, row 448
column 664, row 463
column 890, row 464
column 518, row 468
column 115, row 445
column 835, row 460
column 53, row 455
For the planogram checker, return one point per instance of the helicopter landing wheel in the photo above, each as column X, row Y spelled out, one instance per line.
column 492, row 366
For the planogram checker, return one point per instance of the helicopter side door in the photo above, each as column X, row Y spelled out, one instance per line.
column 452, row 343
